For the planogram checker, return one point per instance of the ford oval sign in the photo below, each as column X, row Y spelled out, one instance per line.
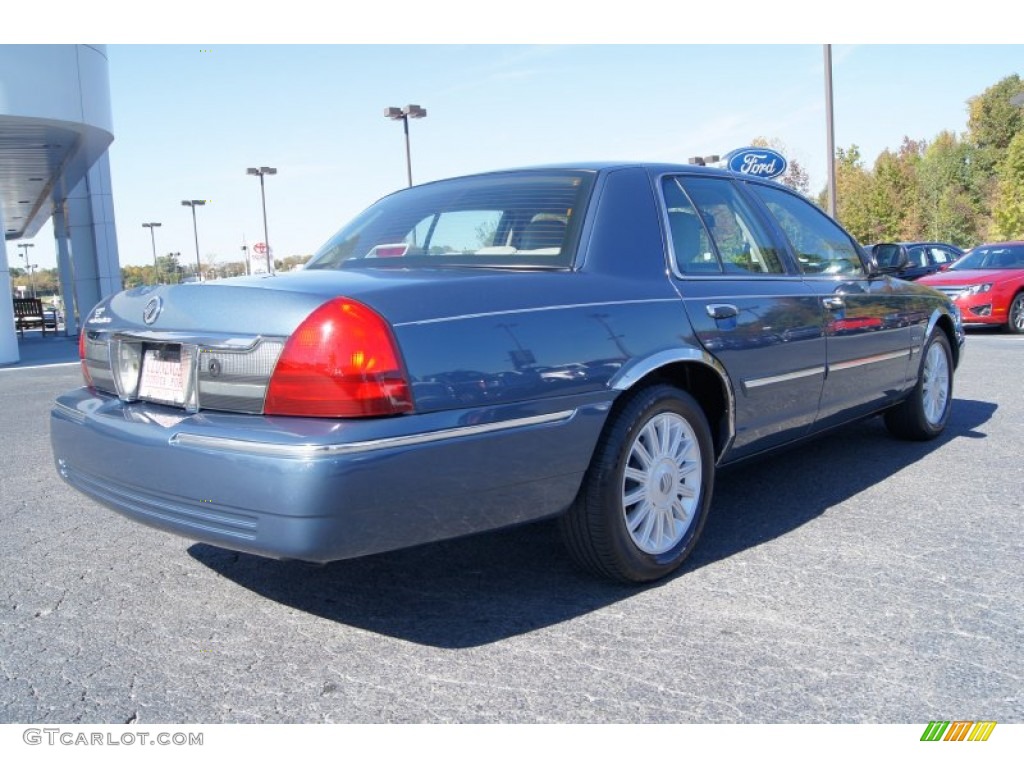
column 757, row 161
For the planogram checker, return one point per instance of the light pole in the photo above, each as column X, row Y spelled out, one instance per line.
column 29, row 267
column 830, row 135
column 195, row 228
column 151, row 226
column 261, row 172
column 403, row 114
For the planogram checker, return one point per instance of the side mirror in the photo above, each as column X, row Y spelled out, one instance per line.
column 888, row 259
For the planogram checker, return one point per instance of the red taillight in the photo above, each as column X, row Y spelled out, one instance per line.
column 341, row 361
column 81, row 356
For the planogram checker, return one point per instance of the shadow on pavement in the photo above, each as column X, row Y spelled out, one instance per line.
column 489, row 587
column 799, row 485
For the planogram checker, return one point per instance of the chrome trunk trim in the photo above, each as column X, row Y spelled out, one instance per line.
column 312, row 451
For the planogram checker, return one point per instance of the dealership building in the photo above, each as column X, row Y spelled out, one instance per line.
column 55, row 129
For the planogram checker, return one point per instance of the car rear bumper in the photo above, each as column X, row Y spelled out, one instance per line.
column 322, row 490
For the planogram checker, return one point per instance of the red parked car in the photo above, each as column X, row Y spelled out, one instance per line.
column 987, row 283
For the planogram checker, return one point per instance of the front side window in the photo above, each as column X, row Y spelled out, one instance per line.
column 527, row 220
column 714, row 230
column 820, row 245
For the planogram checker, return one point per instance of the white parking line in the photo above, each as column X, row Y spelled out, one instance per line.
column 16, row 367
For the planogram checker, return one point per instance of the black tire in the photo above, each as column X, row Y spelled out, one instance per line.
column 923, row 415
column 1015, row 315
column 666, row 504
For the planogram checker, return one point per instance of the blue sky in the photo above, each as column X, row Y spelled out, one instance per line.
column 189, row 119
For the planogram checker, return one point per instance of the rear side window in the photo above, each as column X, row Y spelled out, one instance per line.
column 917, row 256
column 691, row 243
column 714, row 230
column 498, row 220
column 820, row 245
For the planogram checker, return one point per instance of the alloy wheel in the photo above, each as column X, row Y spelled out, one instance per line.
column 661, row 485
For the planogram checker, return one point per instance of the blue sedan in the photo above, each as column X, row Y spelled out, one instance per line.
column 587, row 342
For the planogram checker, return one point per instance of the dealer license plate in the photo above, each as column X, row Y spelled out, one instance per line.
column 164, row 374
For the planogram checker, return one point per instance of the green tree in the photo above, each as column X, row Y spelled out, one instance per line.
column 291, row 262
column 994, row 121
column 132, row 276
column 953, row 189
column 952, row 192
column 168, row 269
column 854, row 207
column 1008, row 209
column 795, row 177
column 894, row 195
column 45, row 281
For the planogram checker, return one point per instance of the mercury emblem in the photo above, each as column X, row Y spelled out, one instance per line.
column 152, row 310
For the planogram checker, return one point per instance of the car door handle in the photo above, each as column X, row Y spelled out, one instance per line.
column 722, row 311
column 834, row 303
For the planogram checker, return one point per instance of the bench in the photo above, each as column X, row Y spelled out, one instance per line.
column 28, row 313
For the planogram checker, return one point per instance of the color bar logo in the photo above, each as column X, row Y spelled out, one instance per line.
column 958, row 730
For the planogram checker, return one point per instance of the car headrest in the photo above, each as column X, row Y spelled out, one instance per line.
column 543, row 233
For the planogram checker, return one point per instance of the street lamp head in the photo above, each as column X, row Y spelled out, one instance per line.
column 193, row 203
column 410, row 110
column 268, row 171
column 152, row 224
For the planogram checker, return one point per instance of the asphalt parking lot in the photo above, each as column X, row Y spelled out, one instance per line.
column 854, row 579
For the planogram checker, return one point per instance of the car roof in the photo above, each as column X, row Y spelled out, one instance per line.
column 998, row 243
column 602, row 168
column 911, row 243
column 607, row 165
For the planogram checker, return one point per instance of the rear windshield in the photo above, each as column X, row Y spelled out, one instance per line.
column 516, row 219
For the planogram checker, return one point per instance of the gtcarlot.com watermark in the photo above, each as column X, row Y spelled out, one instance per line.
column 76, row 738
